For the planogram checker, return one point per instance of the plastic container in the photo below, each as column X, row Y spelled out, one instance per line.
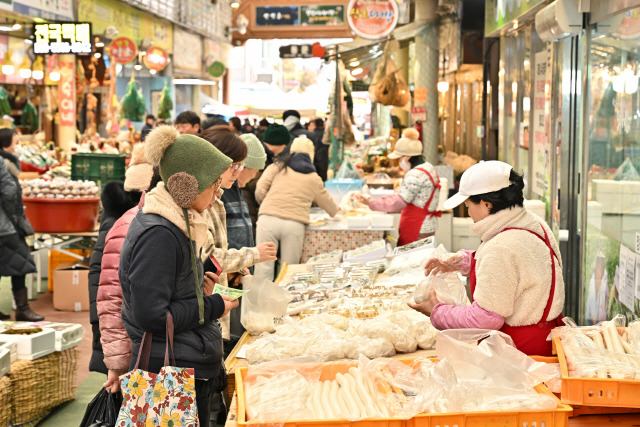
column 62, row 215
column 5, row 361
column 596, row 391
column 101, row 168
column 339, row 187
column 31, row 347
column 558, row 417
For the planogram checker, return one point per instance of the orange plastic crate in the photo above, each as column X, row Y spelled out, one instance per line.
column 555, row 418
column 596, row 391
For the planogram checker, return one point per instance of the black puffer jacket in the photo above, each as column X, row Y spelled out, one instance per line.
column 15, row 256
column 156, row 276
column 115, row 202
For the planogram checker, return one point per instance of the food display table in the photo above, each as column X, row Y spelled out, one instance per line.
column 335, row 234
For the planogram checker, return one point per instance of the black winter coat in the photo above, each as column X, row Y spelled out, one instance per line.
column 115, row 202
column 14, row 252
column 156, row 275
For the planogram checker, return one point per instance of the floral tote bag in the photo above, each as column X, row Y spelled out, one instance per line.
column 166, row 399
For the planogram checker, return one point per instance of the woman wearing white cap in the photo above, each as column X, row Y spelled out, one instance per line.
column 417, row 197
column 516, row 273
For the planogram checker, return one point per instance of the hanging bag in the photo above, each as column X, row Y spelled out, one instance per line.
column 168, row 398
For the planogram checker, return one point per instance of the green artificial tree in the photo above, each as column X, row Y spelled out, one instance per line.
column 5, row 107
column 133, row 106
column 166, row 103
column 29, row 117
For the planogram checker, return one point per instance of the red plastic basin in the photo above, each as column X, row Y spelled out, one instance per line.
column 62, row 215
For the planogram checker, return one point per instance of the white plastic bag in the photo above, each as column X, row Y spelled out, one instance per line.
column 264, row 306
column 449, row 289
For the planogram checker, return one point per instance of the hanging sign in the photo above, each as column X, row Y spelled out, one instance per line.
column 156, row 58
column 296, row 51
column 322, row 15
column 123, row 50
column 277, row 15
column 418, row 114
column 66, row 91
column 68, row 37
column 372, row 19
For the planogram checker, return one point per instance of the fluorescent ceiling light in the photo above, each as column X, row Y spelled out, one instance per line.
column 5, row 28
column 194, row 82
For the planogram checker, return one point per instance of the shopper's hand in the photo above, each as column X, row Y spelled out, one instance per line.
column 113, row 380
column 426, row 307
column 362, row 199
column 437, row 266
column 229, row 303
column 267, row 251
column 210, row 280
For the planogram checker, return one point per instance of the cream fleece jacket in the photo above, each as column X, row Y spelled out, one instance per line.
column 513, row 268
column 158, row 201
column 288, row 194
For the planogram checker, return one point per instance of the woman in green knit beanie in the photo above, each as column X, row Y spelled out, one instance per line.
column 160, row 268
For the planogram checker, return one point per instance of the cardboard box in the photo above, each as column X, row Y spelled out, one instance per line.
column 71, row 289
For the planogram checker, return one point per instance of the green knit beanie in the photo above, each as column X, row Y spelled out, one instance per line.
column 188, row 163
column 277, row 134
column 256, row 156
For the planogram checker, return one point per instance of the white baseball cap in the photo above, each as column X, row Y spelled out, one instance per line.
column 481, row 178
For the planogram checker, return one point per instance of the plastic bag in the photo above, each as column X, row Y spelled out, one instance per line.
column 503, row 363
column 449, row 289
column 599, row 351
column 103, row 410
column 264, row 306
column 281, row 391
column 347, row 170
column 627, row 172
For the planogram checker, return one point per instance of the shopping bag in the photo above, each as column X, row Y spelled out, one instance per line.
column 264, row 307
column 164, row 399
column 103, row 410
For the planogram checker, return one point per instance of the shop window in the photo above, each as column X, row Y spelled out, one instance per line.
column 611, row 273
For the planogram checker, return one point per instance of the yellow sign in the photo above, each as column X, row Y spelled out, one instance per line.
column 68, row 37
column 130, row 22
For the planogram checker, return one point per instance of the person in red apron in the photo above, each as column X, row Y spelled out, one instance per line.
column 418, row 196
column 515, row 275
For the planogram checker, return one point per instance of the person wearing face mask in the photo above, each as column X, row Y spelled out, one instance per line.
column 417, row 197
column 515, row 275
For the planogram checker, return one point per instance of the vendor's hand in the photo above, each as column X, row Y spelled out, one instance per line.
column 210, row 280
column 229, row 303
column 426, row 307
column 267, row 251
column 113, row 380
column 362, row 199
column 437, row 266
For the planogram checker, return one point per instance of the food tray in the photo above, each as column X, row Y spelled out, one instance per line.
column 5, row 361
column 68, row 335
column 596, row 391
column 31, row 347
column 10, row 345
column 550, row 418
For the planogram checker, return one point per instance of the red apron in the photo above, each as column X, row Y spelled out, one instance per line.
column 412, row 217
column 530, row 339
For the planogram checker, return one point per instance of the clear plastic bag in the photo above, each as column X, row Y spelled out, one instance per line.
column 264, row 306
column 599, row 351
column 449, row 289
column 495, row 353
column 281, row 391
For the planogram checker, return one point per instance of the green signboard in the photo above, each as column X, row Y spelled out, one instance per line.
column 322, row 15
column 499, row 13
